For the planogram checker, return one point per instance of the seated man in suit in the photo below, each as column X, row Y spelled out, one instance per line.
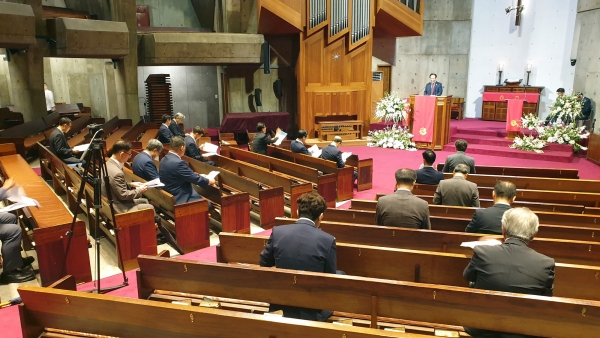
column 126, row 196
column 332, row 153
column 16, row 269
column 489, row 220
column 453, row 160
column 586, row 107
column 174, row 125
column 58, row 142
column 428, row 174
column 457, row 191
column 402, row 208
column 262, row 140
column 297, row 145
column 191, row 148
column 433, row 87
column 512, row 266
column 164, row 133
column 302, row 246
column 178, row 177
column 143, row 164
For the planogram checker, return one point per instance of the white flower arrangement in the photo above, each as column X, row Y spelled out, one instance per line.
column 392, row 108
column 566, row 108
column 392, row 137
column 529, row 143
column 531, row 122
column 569, row 134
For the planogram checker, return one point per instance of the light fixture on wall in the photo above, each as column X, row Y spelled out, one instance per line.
column 528, row 73
column 500, row 69
column 518, row 9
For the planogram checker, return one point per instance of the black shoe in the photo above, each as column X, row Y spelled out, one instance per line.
column 27, row 261
column 17, row 276
column 160, row 239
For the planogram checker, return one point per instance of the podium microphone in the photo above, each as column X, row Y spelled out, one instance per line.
column 422, row 89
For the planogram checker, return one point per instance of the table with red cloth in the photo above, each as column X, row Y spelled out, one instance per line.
column 514, row 109
column 503, row 96
column 240, row 122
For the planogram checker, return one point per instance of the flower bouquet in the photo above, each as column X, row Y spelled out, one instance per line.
column 392, row 108
column 392, row 137
column 566, row 109
column 529, row 143
column 569, row 134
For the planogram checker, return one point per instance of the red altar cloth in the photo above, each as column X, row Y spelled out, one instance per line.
column 240, row 122
column 513, row 115
column 423, row 118
column 503, row 96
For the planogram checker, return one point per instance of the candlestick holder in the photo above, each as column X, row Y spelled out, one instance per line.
column 499, row 78
column 528, row 73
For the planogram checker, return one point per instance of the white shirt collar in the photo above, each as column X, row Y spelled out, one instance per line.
column 170, row 152
column 403, row 189
column 310, row 220
column 117, row 162
column 60, row 130
column 165, row 125
column 502, row 203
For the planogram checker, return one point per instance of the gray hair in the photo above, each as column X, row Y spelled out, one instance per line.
column 179, row 116
column 520, row 223
column 154, row 144
column 462, row 168
column 337, row 139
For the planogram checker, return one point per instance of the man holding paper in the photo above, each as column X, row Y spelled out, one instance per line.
column 143, row 164
column 126, row 197
column 58, row 142
column 297, row 145
column 191, row 148
column 262, row 140
column 332, row 153
column 177, row 175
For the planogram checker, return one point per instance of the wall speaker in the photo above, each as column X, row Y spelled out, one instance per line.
column 258, row 97
column 266, row 56
column 278, row 88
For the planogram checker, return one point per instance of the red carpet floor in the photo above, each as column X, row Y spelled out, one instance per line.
column 386, row 162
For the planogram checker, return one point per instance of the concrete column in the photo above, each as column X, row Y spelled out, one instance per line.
column 126, row 72
column 26, row 70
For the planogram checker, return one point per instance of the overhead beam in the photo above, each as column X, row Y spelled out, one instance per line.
column 17, row 25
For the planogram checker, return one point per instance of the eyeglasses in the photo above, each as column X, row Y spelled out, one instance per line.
column 128, row 154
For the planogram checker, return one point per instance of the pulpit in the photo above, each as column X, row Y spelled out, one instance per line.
column 435, row 133
column 495, row 105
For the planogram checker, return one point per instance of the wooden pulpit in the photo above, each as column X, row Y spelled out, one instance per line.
column 441, row 123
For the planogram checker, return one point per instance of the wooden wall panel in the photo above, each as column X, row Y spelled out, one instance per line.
column 314, row 55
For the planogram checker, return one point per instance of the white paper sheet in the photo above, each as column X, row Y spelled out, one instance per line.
column 280, row 137
column 155, row 183
column 211, row 175
column 81, row 147
column 209, row 154
column 314, row 151
column 473, row 244
column 16, row 206
column 345, row 156
column 16, row 194
column 210, row 148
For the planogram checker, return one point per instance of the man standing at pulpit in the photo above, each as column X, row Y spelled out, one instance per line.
column 433, row 87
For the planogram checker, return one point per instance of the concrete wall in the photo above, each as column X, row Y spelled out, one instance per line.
column 6, row 94
column 195, row 92
column 88, row 81
column 587, row 69
column 543, row 39
column 171, row 13
column 240, row 16
column 242, row 82
column 443, row 49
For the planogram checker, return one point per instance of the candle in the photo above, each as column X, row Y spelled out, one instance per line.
column 529, row 67
column 501, row 67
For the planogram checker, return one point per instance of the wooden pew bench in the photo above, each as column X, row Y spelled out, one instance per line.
column 10, row 118
column 563, row 251
column 324, row 184
column 49, row 224
column 523, row 171
column 141, row 133
column 572, row 281
column 63, row 313
column 374, row 298
column 114, row 130
column 25, row 136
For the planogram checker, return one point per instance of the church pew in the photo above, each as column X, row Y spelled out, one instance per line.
column 49, row 223
column 523, row 171
column 572, row 281
column 79, row 132
column 232, row 210
column 189, row 220
column 141, row 133
column 10, row 118
column 52, row 168
column 587, row 199
column 291, row 189
column 65, row 313
column 7, row 149
column 114, row 131
column 535, row 183
column 25, row 136
column 563, row 251
column 345, row 176
column 375, row 298
column 267, row 202
column 486, row 203
column 325, row 183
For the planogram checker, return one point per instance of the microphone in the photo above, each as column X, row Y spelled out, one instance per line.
column 422, row 89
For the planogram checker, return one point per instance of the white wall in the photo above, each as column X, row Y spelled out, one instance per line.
column 544, row 38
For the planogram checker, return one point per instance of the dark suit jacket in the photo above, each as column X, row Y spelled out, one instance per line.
column 59, row 145
column 488, row 220
column 300, row 246
column 438, row 89
column 298, row 147
column 261, row 141
column 178, row 178
column 586, row 107
column 144, row 167
column 332, row 153
column 453, row 160
column 164, row 134
column 457, row 191
column 510, row 267
column 175, row 130
column 428, row 175
column 403, row 209
column 192, row 150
